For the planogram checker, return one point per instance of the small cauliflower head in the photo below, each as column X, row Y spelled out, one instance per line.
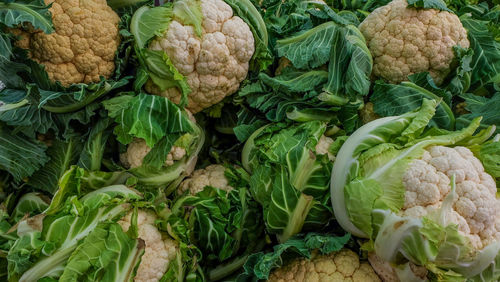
column 160, row 249
column 215, row 63
column 476, row 209
column 337, row 266
column 405, row 41
column 138, row 149
column 212, row 175
column 82, row 48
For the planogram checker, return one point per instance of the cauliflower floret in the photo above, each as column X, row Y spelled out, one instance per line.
column 82, row 47
column 212, row 175
column 476, row 210
column 160, row 250
column 389, row 274
column 404, row 41
column 138, row 149
column 367, row 113
column 337, row 266
column 214, row 64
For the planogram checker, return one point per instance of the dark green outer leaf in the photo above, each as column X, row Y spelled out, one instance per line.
column 429, row 4
column 146, row 116
column 20, row 156
column 298, row 48
column 486, row 59
column 397, row 99
column 260, row 265
column 62, row 156
column 488, row 108
column 27, row 11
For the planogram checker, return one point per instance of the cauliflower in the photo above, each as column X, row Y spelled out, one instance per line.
column 367, row 114
column 215, row 63
column 388, row 273
column 404, row 41
column 337, row 266
column 137, row 150
column 84, row 43
column 212, row 175
column 160, row 250
column 476, row 210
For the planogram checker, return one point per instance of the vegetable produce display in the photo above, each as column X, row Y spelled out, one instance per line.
column 245, row 140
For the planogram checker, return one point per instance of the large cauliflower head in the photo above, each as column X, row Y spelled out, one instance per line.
column 476, row 210
column 214, row 64
column 212, row 175
column 82, row 47
column 160, row 249
column 138, row 149
column 405, row 41
column 337, row 266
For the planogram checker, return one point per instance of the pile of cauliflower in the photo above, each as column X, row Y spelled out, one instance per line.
column 215, row 63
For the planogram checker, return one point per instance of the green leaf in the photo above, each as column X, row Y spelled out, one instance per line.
column 157, row 156
column 164, row 74
column 149, row 22
column 350, row 64
column 260, row 265
column 298, row 48
column 20, row 12
column 106, row 254
column 479, row 106
column 30, row 203
column 62, row 156
column 397, row 99
column 486, row 59
column 429, row 4
column 188, row 12
column 93, row 150
column 20, row 156
column 146, row 116
column 37, row 255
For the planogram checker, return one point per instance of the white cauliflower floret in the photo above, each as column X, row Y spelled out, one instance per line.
column 212, row 175
column 214, row 64
column 323, row 146
column 338, row 266
column 388, row 273
column 138, row 149
column 405, row 41
column 476, row 210
column 159, row 251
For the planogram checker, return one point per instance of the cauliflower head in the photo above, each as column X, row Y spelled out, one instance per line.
column 215, row 63
column 212, row 175
column 405, row 41
column 337, row 266
column 159, row 252
column 138, row 149
column 476, row 210
column 82, row 47
column 389, row 273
